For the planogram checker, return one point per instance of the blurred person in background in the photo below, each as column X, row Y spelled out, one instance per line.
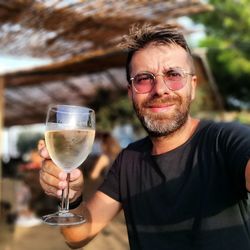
column 30, row 198
column 109, row 149
column 26, row 210
column 185, row 185
column 26, row 191
column 96, row 167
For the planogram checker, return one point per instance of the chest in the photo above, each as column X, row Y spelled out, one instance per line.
column 174, row 190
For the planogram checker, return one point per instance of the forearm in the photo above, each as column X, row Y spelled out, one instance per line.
column 78, row 235
column 98, row 211
column 96, row 217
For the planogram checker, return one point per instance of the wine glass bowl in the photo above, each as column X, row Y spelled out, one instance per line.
column 69, row 136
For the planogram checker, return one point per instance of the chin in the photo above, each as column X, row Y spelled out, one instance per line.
column 163, row 127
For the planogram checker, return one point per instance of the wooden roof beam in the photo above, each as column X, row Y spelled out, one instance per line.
column 83, row 64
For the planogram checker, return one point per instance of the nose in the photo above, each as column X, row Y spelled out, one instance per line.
column 160, row 87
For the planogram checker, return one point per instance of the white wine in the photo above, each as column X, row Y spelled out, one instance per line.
column 69, row 137
column 70, row 147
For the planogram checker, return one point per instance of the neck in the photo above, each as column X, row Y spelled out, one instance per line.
column 166, row 143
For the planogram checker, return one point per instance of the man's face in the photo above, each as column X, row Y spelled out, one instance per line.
column 162, row 111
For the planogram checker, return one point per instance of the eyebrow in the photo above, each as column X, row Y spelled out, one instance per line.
column 165, row 70
column 172, row 68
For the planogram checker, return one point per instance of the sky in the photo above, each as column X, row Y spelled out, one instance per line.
column 198, row 31
column 11, row 63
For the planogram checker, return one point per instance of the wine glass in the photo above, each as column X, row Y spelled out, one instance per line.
column 69, row 136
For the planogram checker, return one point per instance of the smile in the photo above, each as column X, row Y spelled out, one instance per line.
column 161, row 107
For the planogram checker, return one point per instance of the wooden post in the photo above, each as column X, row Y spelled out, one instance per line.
column 1, row 132
column 211, row 80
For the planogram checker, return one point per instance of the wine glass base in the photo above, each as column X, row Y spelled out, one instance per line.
column 63, row 219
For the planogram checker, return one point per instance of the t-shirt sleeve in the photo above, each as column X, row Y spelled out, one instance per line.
column 111, row 184
column 236, row 142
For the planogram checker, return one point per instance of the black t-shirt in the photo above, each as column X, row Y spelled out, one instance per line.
column 192, row 197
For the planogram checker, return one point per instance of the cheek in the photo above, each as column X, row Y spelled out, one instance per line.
column 185, row 98
column 137, row 98
column 189, row 93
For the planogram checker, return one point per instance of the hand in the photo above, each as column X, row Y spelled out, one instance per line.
column 53, row 179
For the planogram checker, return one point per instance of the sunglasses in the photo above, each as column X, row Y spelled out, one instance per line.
column 174, row 78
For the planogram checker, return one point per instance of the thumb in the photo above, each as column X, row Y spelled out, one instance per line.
column 42, row 150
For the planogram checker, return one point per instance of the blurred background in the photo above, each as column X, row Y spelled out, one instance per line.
column 65, row 51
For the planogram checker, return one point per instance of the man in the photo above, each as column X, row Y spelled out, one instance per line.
column 185, row 185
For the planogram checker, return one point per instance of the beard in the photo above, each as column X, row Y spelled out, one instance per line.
column 165, row 123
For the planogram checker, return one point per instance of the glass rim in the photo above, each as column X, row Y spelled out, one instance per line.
column 81, row 109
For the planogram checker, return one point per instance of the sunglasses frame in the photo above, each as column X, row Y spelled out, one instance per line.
column 184, row 73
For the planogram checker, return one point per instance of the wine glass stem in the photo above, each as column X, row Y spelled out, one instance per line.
column 65, row 197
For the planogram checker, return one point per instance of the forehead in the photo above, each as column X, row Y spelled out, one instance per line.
column 155, row 57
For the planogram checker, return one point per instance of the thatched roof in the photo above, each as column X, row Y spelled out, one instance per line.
column 80, row 39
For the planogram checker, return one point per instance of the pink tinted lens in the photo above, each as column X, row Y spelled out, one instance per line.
column 144, row 83
column 144, row 88
column 175, row 85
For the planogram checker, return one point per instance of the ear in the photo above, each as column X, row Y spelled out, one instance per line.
column 193, row 87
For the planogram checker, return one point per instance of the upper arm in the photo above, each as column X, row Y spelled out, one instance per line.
column 236, row 150
column 98, row 211
column 247, row 176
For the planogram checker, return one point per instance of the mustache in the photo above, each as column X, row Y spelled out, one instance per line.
column 161, row 100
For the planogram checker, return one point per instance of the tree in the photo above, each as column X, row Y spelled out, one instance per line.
column 228, row 43
column 114, row 108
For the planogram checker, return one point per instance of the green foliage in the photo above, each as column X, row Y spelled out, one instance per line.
column 243, row 117
column 203, row 101
column 228, row 43
column 113, row 108
column 27, row 141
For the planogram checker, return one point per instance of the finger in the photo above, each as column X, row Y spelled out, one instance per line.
column 40, row 144
column 76, row 180
column 48, row 189
column 75, row 184
column 48, row 179
column 50, row 168
column 57, row 194
column 43, row 150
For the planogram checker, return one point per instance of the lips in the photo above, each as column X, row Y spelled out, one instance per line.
column 161, row 104
column 160, row 107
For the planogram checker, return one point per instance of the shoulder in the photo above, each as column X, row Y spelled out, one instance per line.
column 224, row 127
column 224, row 133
